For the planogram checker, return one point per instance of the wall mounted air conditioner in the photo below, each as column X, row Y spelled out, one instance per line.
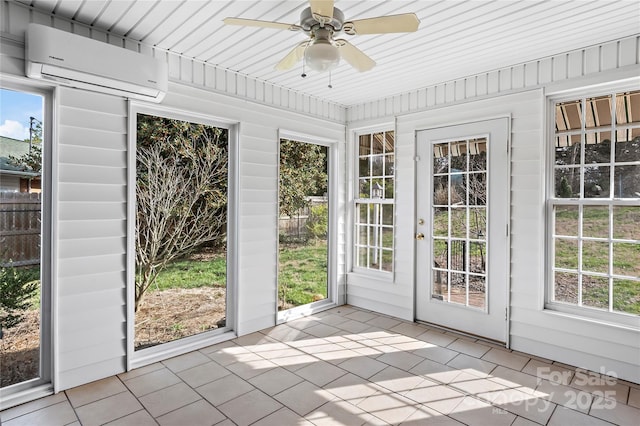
column 89, row 64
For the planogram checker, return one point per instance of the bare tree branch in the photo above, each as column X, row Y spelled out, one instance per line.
column 181, row 204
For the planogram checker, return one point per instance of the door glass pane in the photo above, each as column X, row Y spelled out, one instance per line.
column 478, row 223
column 182, row 171
column 441, row 190
column 440, row 254
column 478, row 257
column 441, row 158
column 477, row 291
column 478, row 189
column 458, row 288
column 21, row 219
column 440, row 222
column 458, row 189
column 440, row 285
column 459, row 231
column 458, row 222
column 304, row 224
column 478, row 155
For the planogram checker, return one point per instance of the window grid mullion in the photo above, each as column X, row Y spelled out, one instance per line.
column 612, row 160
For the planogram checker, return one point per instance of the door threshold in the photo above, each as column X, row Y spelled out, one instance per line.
column 463, row 333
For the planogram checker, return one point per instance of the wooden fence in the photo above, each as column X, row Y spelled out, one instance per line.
column 296, row 225
column 20, row 227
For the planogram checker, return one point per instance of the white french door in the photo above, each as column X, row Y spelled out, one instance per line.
column 462, row 199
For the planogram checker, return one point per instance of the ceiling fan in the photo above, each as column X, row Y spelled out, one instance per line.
column 321, row 21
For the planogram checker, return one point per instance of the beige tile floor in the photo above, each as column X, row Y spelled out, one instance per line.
column 344, row 366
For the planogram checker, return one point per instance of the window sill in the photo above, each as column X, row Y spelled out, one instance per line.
column 621, row 321
column 377, row 276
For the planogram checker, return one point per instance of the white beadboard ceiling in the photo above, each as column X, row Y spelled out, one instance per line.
column 455, row 39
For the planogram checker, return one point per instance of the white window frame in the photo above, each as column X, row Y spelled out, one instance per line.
column 552, row 201
column 44, row 384
column 355, row 268
column 136, row 359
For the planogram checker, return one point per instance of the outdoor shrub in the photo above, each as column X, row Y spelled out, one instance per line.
column 565, row 189
column 318, row 222
column 17, row 287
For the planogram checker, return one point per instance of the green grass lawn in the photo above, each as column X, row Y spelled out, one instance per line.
column 190, row 273
column 302, row 273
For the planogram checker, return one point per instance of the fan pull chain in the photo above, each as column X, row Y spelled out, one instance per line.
column 304, row 74
column 330, row 85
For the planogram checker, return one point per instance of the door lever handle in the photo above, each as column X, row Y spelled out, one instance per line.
column 419, row 236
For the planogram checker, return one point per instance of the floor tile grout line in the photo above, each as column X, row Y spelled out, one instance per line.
column 75, row 413
column 136, row 398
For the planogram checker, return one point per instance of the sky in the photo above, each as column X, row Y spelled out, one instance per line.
column 15, row 110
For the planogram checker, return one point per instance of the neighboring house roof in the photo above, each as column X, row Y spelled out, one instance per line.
column 11, row 146
column 15, row 148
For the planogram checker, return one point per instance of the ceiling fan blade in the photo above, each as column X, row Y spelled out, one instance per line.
column 356, row 57
column 293, row 57
column 322, row 7
column 262, row 24
column 405, row 23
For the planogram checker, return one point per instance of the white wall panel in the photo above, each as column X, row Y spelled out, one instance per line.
column 99, row 282
column 90, row 229
column 86, row 192
column 92, row 218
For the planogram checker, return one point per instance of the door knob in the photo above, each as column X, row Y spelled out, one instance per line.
column 419, row 236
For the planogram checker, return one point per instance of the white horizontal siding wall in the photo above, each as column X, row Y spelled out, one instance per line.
column 91, row 230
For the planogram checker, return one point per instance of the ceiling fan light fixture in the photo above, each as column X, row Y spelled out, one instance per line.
column 322, row 55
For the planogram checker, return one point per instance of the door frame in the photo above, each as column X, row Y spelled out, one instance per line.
column 332, row 232
column 162, row 351
column 507, row 289
column 48, row 370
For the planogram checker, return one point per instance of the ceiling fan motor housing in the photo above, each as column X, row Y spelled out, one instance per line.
column 308, row 21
